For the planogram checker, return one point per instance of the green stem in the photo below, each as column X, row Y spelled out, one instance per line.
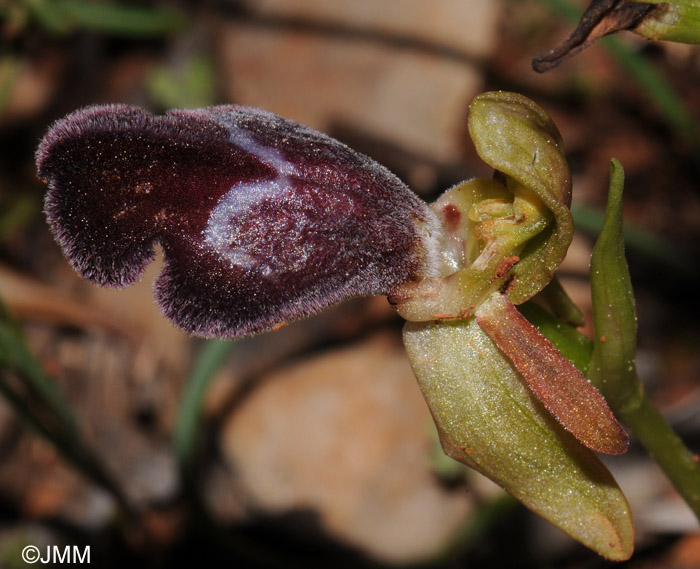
column 666, row 448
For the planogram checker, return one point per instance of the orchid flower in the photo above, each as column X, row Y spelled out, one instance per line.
column 263, row 220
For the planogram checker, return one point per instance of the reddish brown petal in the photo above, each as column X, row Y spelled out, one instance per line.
column 563, row 390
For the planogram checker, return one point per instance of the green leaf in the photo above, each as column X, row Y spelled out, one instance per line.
column 10, row 69
column 38, row 401
column 191, row 85
column 187, row 428
column 488, row 419
column 16, row 358
column 64, row 16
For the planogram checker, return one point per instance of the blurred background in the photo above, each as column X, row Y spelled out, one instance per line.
column 312, row 446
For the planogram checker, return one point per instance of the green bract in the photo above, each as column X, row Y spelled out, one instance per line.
column 614, row 317
column 612, row 366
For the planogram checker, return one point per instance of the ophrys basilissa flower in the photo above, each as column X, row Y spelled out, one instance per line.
column 263, row 220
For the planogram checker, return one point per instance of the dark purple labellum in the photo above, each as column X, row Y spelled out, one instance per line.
column 262, row 220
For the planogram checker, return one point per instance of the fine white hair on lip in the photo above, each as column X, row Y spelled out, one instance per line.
column 266, row 154
column 220, row 232
column 430, row 231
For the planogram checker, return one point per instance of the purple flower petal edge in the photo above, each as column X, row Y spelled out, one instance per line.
column 262, row 220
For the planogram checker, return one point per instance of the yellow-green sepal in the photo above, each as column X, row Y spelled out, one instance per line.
column 518, row 138
column 488, row 419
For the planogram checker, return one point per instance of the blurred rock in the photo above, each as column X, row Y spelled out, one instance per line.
column 30, row 83
column 468, row 26
column 686, row 553
column 346, row 435
column 388, row 87
column 126, row 420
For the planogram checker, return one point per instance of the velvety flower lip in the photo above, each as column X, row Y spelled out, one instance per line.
column 262, row 220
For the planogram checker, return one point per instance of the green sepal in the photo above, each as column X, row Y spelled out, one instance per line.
column 488, row 419
column 517, row 137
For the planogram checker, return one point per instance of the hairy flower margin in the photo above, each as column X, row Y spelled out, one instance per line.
column 263, row 220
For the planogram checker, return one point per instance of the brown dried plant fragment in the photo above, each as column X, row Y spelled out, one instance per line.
column 602, row 17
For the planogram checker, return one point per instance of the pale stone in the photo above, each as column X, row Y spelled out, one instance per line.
column 414, row 98
column 348, row 436
column 467, row 25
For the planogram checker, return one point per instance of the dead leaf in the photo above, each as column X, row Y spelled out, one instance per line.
column 602, row 17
